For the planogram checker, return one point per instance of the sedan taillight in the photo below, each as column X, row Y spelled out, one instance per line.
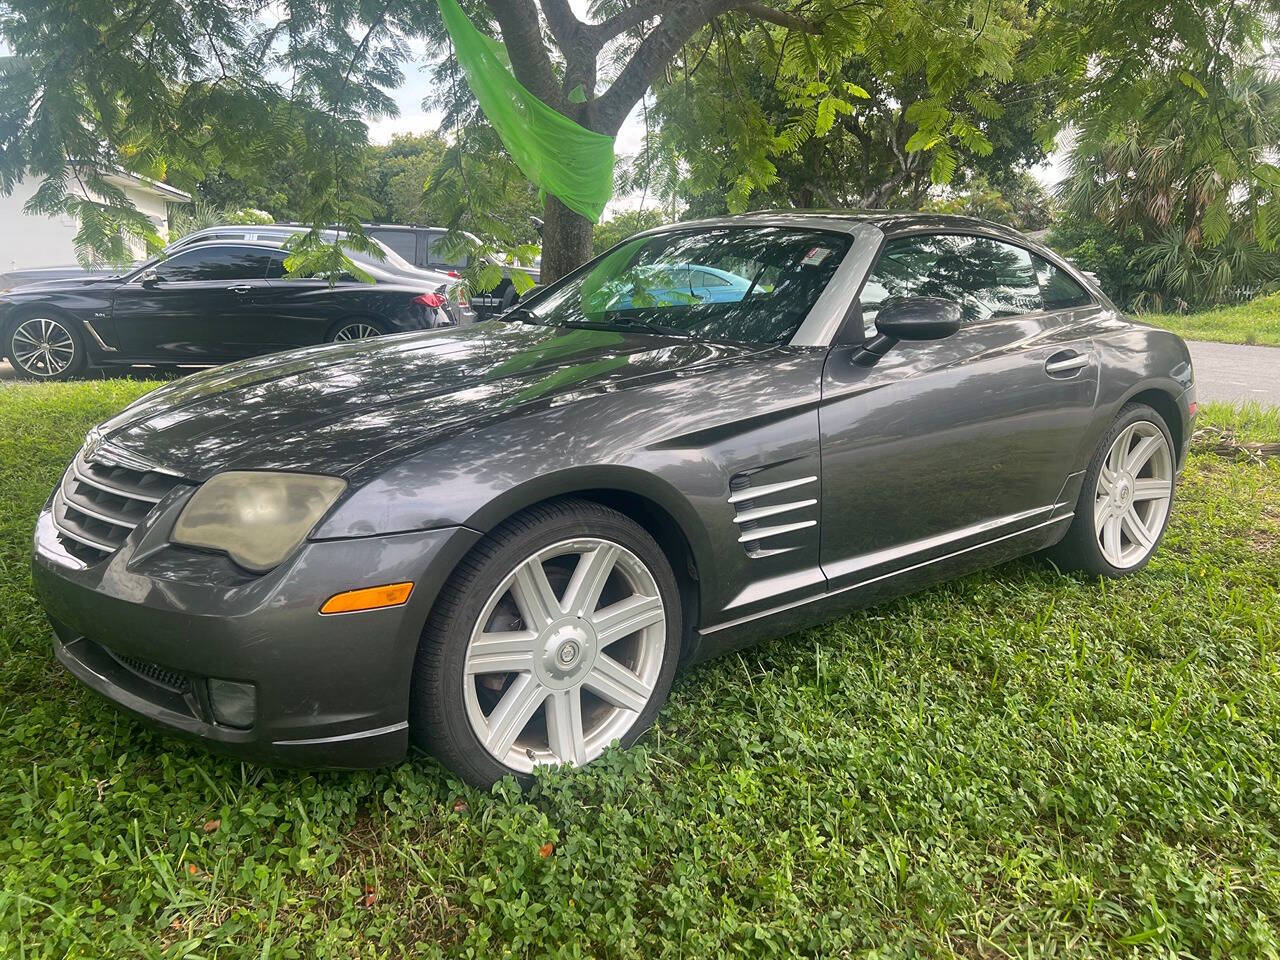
column 433, row 300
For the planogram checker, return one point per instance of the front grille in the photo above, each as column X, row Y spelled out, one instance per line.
column 98, row 504
column 157, row 674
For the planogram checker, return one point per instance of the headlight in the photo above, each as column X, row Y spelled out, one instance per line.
column 256, row 517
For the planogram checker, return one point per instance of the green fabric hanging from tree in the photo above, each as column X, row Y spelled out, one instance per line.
column 561, row 157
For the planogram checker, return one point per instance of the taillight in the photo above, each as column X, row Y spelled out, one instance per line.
column 452, row 273
column 433, row 300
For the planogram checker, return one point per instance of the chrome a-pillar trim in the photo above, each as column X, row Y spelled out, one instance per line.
column 706, row 631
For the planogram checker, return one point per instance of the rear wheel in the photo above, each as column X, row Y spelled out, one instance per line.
column 557, row 636
column 45, row 347
column 1126, row 498
column 355, row 329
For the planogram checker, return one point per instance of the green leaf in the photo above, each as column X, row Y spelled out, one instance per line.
column 1216, row 222
column 944, row 164
column 922, row 140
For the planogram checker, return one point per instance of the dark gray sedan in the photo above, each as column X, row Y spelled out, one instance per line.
column 499, row 542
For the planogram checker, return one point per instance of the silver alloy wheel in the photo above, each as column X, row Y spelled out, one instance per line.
column 1135, row 488
column 538, row 684
column 43, row 347
column 357, row 331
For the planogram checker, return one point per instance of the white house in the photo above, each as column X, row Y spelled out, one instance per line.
column 40, row 241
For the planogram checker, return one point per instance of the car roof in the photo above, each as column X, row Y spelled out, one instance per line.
column 207, row 244
column 849, row 221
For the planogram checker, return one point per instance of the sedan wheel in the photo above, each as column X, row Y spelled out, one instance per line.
column 356, row 330
column 1135, row 488
column 45, row 348
column 556, row 638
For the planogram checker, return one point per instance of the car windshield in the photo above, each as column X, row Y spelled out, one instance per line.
column 746, row 284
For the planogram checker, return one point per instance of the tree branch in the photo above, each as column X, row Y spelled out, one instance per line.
column 651, row 57
column 628, row 19
column 680, row 21
column 564, row 23
column 762, row 11
column 530, row 62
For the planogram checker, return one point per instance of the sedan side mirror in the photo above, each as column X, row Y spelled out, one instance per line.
column 911, row 318
column 149, row 278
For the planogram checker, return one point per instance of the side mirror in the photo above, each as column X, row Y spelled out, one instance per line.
column 149, row 277
column 912, row 318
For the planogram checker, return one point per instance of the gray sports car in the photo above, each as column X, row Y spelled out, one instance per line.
column 500, row 542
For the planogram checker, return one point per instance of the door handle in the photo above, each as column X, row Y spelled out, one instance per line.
column 239, row 289
column 1065, row 362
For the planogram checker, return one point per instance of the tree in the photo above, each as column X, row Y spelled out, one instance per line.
column 622, row 226
column 179, row 91
column 1019, row 201
column 1183, row 195
column 802, row 45
column 723, row 138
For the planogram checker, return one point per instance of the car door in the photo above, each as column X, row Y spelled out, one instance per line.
column 195, row 307
column 943, row 446
column 299, row 311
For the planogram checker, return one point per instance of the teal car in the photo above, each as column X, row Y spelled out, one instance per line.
column 675, row 284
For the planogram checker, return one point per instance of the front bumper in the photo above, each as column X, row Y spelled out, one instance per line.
column 148, row 626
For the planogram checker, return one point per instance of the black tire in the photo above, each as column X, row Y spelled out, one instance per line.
column 335, row 332
column 1080, row 548
column 438, row 720
column 20, row 329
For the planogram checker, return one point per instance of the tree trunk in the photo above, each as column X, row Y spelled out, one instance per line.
column 566, row 240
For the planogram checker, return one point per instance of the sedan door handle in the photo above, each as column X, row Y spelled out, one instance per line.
column 1065, row 362
column 239, row 289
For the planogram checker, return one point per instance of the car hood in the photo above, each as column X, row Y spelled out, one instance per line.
column 63, row 284
column 353, row 409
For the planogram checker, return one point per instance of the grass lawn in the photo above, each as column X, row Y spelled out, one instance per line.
column 1257, row 321
column 1015, row 764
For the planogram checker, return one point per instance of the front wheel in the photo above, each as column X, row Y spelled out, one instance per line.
column 558, row 635
column 45, row 348
column 1126, row 498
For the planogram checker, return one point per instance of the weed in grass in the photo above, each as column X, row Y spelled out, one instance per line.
column 1017, row 763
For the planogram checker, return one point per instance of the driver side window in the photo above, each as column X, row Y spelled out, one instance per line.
column 985, row 277
column 203, row 263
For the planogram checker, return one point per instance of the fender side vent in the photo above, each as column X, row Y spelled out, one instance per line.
column 768, row 515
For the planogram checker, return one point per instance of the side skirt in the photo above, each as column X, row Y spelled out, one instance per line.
column 734, row 634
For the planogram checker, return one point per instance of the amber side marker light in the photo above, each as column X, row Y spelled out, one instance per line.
column 370, row 598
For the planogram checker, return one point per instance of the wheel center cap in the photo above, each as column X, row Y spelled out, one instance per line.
column 1124, row 492
column 568, row 653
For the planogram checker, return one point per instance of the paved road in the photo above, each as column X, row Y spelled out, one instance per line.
column 1224, row 371
column 1230, row 373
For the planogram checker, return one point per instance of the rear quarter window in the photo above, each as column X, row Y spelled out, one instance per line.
column 1058, row 290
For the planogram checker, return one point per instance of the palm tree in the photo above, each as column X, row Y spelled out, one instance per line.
column 1190, row 175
